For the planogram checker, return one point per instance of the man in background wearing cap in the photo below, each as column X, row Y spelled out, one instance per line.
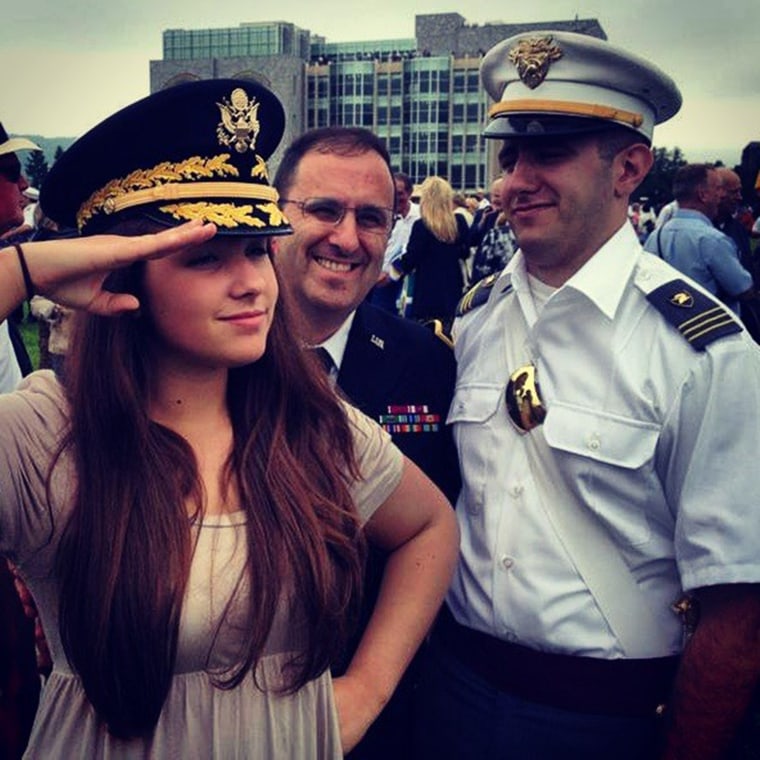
column 12, row 203
column 19, row 681
column 600, row 415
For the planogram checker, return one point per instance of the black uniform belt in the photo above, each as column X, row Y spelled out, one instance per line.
column 581, row 684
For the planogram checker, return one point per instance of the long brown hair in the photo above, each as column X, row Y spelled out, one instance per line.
column 125, row 554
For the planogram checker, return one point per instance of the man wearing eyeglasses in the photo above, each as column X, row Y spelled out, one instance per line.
column 606, row 419
column 336, row 187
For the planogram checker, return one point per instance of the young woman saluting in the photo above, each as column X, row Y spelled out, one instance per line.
column 188, row 509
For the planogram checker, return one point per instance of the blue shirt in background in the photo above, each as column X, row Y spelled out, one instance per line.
column 691, row 244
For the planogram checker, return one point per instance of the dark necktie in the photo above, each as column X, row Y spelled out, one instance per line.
column 323, row 355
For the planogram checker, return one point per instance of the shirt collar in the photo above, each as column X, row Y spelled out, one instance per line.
column 335, row 345
column 691, row 213
column 602, row 279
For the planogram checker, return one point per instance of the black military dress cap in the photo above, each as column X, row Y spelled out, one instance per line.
column 194, row 151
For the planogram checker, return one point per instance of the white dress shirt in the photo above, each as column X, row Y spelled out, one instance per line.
column 657, row 439
column 399, row 237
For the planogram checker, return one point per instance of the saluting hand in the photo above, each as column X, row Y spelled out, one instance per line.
column 71, row 271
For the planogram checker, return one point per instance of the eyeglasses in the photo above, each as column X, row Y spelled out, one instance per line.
column 11, row 170
column 375, row 219
column 523, row 399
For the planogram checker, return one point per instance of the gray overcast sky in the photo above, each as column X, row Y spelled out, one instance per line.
column 69, row 63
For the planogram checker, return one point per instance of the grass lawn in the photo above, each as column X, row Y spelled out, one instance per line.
column 29, row 333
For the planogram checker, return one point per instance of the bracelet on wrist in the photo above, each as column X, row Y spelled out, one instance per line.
column 28, row 284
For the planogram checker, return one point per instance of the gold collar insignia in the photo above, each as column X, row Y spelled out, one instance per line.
column 532, row 57
column 240, row 125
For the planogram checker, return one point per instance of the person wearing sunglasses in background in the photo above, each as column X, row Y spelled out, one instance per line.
column 337, row 188
column 606, row 419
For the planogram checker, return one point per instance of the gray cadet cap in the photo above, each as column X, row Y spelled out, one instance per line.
column 554, row 83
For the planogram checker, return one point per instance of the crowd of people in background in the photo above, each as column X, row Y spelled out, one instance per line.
column 485, row 243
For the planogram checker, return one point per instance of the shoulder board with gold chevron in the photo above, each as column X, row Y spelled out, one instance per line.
column 436, row 325
column 476, row 295
column 698, row 318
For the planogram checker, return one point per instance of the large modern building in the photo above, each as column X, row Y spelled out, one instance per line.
column 421, row 94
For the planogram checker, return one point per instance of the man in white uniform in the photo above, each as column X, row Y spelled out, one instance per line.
column 606, row 419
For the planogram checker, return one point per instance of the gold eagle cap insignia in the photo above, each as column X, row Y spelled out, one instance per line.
column 533, row 57
column 240, row 125
column 683, row 299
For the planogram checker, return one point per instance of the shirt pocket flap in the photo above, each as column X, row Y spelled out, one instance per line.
column 620, row 441
column 475, row 403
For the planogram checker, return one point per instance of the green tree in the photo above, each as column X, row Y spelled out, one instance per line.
column 58, row 153
column 657, row 188
column 36, row 168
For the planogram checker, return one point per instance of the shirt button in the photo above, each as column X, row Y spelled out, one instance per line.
column 594, row 443
column 516, row 491
column 510, row 635
column 473, row 508
column 507, row 562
